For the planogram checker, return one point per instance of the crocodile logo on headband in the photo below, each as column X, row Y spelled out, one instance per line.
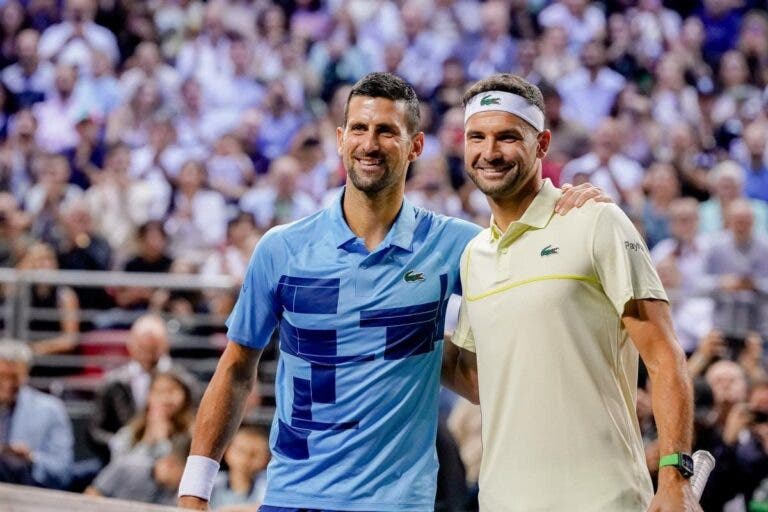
column 488, row 100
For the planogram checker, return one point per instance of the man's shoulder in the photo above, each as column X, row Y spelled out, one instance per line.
column 455, row 227
column 313, row 226
column 35, row 399
column 590, row 214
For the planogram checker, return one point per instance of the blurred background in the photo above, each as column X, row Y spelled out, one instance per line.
column 145, row 146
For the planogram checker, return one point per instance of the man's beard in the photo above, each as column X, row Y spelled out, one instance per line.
column 500, row 187
column 371, row 186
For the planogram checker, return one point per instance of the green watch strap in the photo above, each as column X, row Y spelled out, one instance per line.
column 673, row 459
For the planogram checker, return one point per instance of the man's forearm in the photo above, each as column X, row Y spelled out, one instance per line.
column 672, row 405
column 454, row 375
column 222, row 407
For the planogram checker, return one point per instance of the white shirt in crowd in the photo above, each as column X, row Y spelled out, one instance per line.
column 627, row 173
column 57, row 42
column 587, row 102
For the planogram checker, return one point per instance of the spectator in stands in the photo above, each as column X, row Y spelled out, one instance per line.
column 680, row 263
column 230, row 171
column 554, row 60
column 206, row 56
column 119, row 204
column 282, row 119
column 726, row 186
column 673, row 99
column 79, row 248
column 720, row 22
column 278, row 201
column 12, row 20
column 589, row 92
column 606, row 166
column 683, row 150
column 582, row 21
column 14, row 238
column 149, row 67
column 87, row 157
column 161, row 158
column 197, row 220
column 244, row 481
column 663, row 188
column 52, row 192
column 168, row 413
column 232, row 259
column 74, row 39
column 138, row 477
column 59, row 113
column 17, row 153
column 58, row 335
column 130, row 123
column 126, row 388
column 29, row 79
column 36, row 438
column 736, row 274
column 755, row 160
column 152, row 254
column 656, row 26
column 429, row 188
column 495, row 50
column 317, row 173
column 737, row 92
column 569, row 140
column 741, row 451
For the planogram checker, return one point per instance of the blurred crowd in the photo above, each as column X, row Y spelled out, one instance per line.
column 168, row 135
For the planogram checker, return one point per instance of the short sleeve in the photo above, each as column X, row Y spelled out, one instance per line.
column 256, row 313
column 622, row 261
column 462, row 335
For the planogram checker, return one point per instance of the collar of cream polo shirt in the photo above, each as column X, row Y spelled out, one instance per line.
column 536, row 216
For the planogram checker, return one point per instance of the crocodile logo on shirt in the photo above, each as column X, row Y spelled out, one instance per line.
column 488, row 100
column 548, row 250
column 412, row 277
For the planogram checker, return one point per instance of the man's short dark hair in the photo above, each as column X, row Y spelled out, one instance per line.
column 391, row 87
column 506, row 82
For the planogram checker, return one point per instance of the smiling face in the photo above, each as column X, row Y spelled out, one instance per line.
column 502, row 153
column 375, row 144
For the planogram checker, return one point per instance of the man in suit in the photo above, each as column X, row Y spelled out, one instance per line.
column 36, row 441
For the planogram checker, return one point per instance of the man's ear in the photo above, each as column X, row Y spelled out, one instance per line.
column 544, row 139
column 417, row 146
column 339, row 139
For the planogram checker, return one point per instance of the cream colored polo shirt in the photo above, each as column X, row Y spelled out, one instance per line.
column 542, row 309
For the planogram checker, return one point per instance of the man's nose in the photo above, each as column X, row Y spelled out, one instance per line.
column 490, row 150
column 370, row 142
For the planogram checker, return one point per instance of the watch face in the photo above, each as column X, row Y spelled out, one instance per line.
column 686, row 465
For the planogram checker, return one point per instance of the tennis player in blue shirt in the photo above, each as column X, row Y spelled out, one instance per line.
column 358, row 292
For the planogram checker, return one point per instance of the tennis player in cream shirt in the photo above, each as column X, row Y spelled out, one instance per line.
column 554, row 313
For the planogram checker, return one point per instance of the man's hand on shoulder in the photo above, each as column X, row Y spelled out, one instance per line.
column 576, row 197
column 192, row 503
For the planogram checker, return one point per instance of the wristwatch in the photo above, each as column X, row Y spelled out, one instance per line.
column 681, row 461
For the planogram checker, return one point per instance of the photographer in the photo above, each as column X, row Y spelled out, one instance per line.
column 742, row 454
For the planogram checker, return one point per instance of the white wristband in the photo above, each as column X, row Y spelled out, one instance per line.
column 199, row 476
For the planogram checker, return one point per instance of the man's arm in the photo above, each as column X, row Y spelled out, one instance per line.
column 222, row 407
column 649, row 324
column 459, row 371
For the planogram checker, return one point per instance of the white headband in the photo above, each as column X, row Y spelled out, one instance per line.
column 494, row 101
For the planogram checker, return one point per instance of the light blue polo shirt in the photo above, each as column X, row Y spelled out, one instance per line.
column 360, row 348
